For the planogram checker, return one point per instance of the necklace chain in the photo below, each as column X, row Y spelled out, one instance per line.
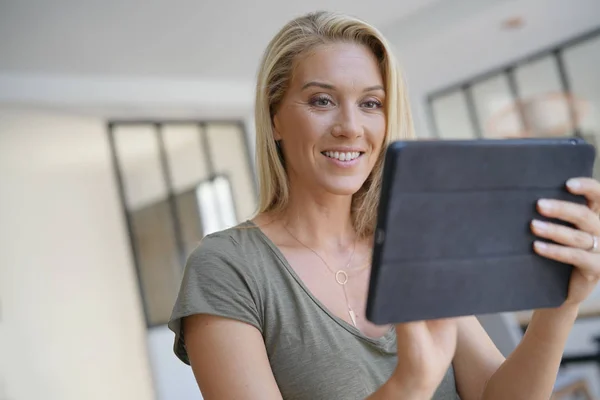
column 341, row 276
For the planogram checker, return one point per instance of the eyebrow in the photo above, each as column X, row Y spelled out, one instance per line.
column 331, row 87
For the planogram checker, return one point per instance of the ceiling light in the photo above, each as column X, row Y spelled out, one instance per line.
column 513, row 23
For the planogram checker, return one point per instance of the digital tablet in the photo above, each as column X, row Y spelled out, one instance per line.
column 453, row 233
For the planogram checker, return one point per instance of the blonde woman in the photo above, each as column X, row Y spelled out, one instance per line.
column 275, row 308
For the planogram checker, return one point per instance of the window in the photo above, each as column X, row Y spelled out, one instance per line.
column 452, row 116
column 491, row 97
column 215, row 202
column 553, row 93
column 179, row 181
column 582, row 64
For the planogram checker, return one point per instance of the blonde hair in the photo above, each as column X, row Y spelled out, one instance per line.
column 295, row 39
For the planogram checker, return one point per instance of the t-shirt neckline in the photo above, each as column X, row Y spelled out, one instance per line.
column 380, row 341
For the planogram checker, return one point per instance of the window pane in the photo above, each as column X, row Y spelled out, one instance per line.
column 493, row 102
column 188, row 166
column 186, row 156
column 215, row 202
column 138, row 152
column 189, row 220
column 230, row 157
column 582, row 63
column 224, row 198
column 159, row 267
column 452, row 117
column 151, row 219
column 545, row 109
column 538, row 78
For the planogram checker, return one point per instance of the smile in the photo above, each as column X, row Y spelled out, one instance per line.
column 343, row 156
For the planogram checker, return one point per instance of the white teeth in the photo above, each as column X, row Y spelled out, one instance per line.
column 347, row 156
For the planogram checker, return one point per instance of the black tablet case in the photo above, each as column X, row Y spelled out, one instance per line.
column 453, row 234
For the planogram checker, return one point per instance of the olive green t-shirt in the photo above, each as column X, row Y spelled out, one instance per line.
column 239, row 273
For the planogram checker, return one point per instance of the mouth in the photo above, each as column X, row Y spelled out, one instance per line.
column 343, row 155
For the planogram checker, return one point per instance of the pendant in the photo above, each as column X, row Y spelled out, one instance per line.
column 352, row 316
column 341, row 277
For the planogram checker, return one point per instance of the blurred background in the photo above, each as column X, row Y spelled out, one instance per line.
column 126, row 135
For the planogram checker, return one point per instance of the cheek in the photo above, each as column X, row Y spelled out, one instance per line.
column 316, row 123
column 301, row 134
column 378, row 133
column 304, row 126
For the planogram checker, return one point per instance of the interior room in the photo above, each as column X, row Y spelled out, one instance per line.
column 127, row 134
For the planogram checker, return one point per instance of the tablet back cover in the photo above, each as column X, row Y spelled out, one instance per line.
column 453, row 235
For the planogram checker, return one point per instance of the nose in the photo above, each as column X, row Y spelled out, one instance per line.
column 348, row 123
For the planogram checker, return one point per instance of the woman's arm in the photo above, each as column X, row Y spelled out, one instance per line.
column 530, row 371
column 230, row 361
column 476, row 360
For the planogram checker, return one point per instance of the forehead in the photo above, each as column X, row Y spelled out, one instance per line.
column 339, row 64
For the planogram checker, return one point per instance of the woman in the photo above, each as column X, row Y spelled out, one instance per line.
column 262, row 313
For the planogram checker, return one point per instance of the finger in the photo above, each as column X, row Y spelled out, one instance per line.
column 562, row 234
column 587, row 262
column 577, row 214
column 588, row 187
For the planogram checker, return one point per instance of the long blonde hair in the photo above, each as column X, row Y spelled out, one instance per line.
column 296, row 38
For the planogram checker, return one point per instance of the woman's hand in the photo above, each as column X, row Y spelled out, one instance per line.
column 575, row 245
column 425, row 351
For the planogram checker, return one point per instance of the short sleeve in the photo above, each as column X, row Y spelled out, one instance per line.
column 215, row 282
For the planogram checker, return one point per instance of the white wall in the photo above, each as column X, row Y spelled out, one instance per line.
column 131, row 96
column 71, row 324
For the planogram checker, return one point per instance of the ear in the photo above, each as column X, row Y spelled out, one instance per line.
column 276, row 124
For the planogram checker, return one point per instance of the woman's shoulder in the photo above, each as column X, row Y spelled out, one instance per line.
column 240, row 243
column 221, row 278
column 224, row 263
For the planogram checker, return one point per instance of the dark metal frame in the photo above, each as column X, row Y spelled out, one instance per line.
column 167, row 177
column 507, row 70
column 472, row 110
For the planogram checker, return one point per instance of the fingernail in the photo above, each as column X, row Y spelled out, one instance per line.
column 540, row 245
column 542, row 226
column 573, row 184
column 546, row 204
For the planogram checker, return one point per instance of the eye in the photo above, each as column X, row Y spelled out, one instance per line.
column 371, row 104
column 321, row 101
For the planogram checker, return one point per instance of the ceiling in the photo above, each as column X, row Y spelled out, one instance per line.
column 479, row 43
column 186, row 39
column 186, row 58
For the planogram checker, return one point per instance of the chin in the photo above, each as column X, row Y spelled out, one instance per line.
column 343, row 187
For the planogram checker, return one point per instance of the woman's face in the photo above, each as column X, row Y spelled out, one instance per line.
column 331, row 121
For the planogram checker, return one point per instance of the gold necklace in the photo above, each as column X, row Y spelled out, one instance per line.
column 341, row 276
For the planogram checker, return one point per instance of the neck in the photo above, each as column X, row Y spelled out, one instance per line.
column 320, row 220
